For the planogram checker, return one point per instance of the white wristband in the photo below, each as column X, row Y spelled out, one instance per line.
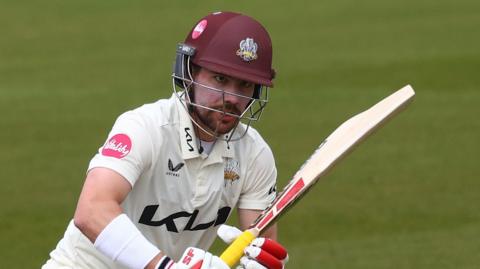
column 122, row 242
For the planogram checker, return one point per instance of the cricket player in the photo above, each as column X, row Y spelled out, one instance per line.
column 170, row 173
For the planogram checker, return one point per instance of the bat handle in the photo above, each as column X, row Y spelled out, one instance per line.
column 234, row 252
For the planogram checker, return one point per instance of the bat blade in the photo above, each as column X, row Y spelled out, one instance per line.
column 336, row 146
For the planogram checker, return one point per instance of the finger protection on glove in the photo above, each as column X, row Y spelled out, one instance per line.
column 272, row 247
column 228, row 233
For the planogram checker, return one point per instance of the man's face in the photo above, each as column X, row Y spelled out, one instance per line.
column 230, row 101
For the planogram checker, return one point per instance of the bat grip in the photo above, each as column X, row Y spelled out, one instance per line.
column 234, row 252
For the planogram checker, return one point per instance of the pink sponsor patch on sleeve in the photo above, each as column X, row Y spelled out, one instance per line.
column 118, row 146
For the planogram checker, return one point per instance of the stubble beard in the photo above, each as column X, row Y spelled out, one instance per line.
column 212, row 121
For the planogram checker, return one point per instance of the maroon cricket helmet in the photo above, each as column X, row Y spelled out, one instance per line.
column 233, row 44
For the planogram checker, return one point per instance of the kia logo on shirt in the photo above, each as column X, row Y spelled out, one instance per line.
column 189, row 139
column 169, row 221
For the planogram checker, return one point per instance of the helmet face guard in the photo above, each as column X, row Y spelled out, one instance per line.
column 183, row 85
column 231, row 44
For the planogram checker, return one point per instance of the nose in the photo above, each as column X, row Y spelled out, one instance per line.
column 232, row 94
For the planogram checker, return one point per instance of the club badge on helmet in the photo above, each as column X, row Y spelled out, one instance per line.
column 248, row 50
column 231, row 44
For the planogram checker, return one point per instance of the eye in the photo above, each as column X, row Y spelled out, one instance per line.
column 220, row 78
column 248, row 85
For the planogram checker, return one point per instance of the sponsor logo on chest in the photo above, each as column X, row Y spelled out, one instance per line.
column 176, row 221
column 173, row 170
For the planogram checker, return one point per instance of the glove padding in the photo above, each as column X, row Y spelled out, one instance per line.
column 262, row 253
column 194, row 258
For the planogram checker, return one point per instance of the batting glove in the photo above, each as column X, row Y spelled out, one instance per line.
column 193, row 258
column 262, row 253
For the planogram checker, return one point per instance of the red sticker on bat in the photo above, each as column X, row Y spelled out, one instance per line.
column 265, row 221
column 284, row 200
column 290, row 194
column 118, row 146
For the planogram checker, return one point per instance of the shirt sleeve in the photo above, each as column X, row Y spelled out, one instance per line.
column 128, row 148
column 259, row 189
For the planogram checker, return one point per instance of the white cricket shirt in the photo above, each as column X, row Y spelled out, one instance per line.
column 179, row 196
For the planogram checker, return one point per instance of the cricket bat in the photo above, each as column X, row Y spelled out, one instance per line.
column 329, row 153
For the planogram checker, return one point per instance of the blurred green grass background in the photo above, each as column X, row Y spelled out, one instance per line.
column 406, row 198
